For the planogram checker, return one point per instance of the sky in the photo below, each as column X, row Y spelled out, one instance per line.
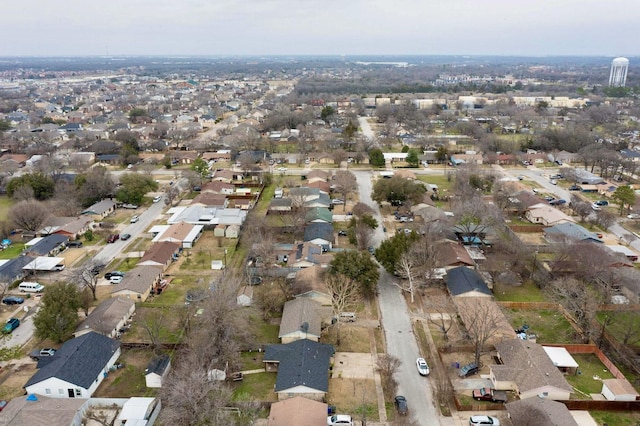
column 313, row 27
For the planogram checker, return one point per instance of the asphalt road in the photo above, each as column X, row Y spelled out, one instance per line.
column 398, row 331
column 21, row 335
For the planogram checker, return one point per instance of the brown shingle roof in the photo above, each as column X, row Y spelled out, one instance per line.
column 160, row 252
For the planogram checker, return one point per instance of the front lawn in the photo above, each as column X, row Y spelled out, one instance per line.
column 259, row 387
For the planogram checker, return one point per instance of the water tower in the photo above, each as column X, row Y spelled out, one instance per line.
column 618, row 75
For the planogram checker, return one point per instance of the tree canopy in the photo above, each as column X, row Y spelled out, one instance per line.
column 42, row 185
column 391, row 249
column 376, row 158
column 625, row 196
column 358, row 267
column 134, row 186
column 58, row 314
column 397, row 189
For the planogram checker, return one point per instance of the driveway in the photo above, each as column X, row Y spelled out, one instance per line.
column 398, row 331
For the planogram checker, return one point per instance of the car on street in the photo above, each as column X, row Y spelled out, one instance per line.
column 468, row 370
column 633, row 216
column 337, row 201
column 129, row 206
column 113, row 238
column 13, row 300
column 125, row 237
column 554, row 182
column 371, row 250
column 115, row 279
column 282, row 169
column 401, row 405
column 3, row 403
column 601, row 203
column 595, row 207
column 423, row 367
column 134, row 219
column 483, row 421
column 157, row 198
column 520, row 177
column 11, row 325
column 558, row 202
column 339, row 420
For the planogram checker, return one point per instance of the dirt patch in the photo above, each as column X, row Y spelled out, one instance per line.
column 13, row 377
column 350, row 365
column 347, row 395
column 352, row 339
column 452, row 361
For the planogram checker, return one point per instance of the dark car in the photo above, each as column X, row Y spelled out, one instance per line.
column 342, row 233
column 95, row 270
column 574, row 188
column 13, row 300
column 125, row 237
column 113, row 238
column 11, row 325
column 76, row 244
column 558, row 202
column 401, row 405
column 468, row 370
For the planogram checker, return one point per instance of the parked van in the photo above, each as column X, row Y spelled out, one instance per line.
column 30, row 287
column 348, row 316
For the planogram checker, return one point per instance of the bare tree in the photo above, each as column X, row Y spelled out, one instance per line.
column 24, row 193
column 388, row 366
column 29, row 215
column 106, row 416
column 482, row 319
column 440, row 314
column 85, row 277
column 343, row 294
column 580, row 207
column 345, row 183
column 408, row 269
column 172, row 194
column 152, row 321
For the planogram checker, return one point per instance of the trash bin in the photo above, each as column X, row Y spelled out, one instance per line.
column 332, row 409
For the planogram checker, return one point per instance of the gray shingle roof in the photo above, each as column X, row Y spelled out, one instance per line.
column 78, row 361
column 157, row 365
column 320, row 230
column 302, row 363
column 47, row 244
column 545, row 412
column 297, row 312
column 463, row 280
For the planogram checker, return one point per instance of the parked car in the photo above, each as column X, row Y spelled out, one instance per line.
column 11, row 325
column 423, row 367
column 113, row 238
column 108, row 275
column 401, row 405
column 339, row 420
column 342, row 233
column 157, row 198
column 558, row 202
column 488, row 394
column 601, row 203
column 115, row 279
column 554, row 182
column 633, row 216
column 42, row 353
column 3, row 403
column 337, row 201
column 13, row 300
column 74, row 244
column 483, row 420
column 574, row 188
column 134, row 219
column 468, row 370
column 125, row 237
column 129, row 206
column 595, row 207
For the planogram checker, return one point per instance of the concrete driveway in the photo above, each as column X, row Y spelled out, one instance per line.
column 352, row 365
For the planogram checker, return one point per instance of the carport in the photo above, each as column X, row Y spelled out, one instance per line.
column 45, row 263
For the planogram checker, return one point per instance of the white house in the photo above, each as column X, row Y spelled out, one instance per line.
column 77, row 368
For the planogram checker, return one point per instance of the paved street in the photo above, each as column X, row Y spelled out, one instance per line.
column 396, row 323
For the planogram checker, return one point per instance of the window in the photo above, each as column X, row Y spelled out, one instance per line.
column 78, row 392
column 60, row 391
column 47, row 391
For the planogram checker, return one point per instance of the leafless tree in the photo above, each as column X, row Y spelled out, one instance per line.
column 64, row 202
column 580, row 207
column 388, row 366
column 408, row 269
column 152, row 321
column 604, row 219
column 29, row 215
column 85, row 277
column 24, row 193
column 361, row 209
column 441, row 314
column 172, row 195
column 343, row 294
column 194, row 178
column 345, row 184
column 106, row 416
column 339, row 155
column 482, row 320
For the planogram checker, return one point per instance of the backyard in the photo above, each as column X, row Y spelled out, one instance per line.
column 589, row 376
column 549, row 326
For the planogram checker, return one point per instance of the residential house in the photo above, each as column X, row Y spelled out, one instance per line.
column 75, row 228
column 450, row 254
column 108, row 317
column 527, row 369
column 308, row 254
column 13, row 269
column 226, row 176
column 322, row 201
column 298, row 411
column 301, row 319
column 317, row 175
column 77, row 368
column 218, row 187
column 245, row 296
column 309, row 284
column 465, row 282
column 161, row 254
column 211, row 200
column 157, row 371
column 320, row 234
column 101, row 209
column 304, row 194
column 323, row 186
column 183, row 157
column 319, row 215
column 546, row 215
column 545, row 412
column 200, row 215
column 280, row 205
column 50, row 245
column 41, row 410
column 568, row 231
column 139, row 282
column 183, row 233
column 302, row 367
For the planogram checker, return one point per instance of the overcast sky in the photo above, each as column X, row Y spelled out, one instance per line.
column 349, row 27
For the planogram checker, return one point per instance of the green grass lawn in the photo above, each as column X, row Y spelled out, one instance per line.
column 613, row 418
column 443, row 182
column 623, row 323
column 549, row 326
column 591, row 372
column 256, row 387
column 527, row 292
column 12, row 251
column 5, row 205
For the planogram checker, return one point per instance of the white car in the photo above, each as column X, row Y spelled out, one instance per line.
column 633, row 216
column 483, row 421
column 423, row 367
column 115, row 279
column 134, row 219
column 157, row 198
column 339, row 420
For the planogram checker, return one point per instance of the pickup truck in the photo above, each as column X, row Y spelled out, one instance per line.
column 42, row 353
column 487, row 394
